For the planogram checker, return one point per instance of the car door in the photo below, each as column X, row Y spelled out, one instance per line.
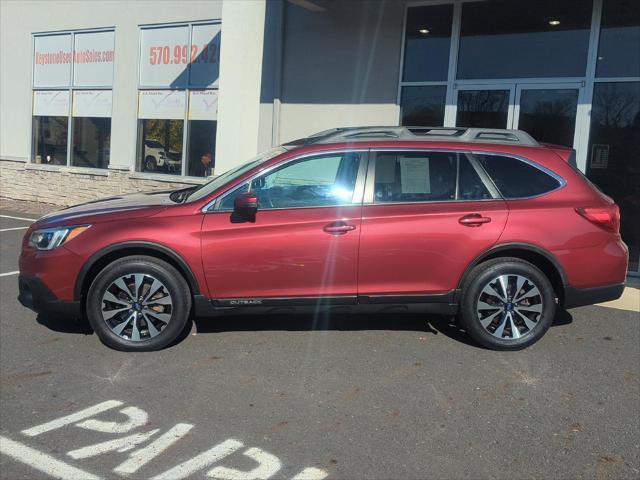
column 426, row 216
column 302, row 243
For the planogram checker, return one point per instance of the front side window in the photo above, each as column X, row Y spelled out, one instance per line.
column 515, row 178
column 311, row 182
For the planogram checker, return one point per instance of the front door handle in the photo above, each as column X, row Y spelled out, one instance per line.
column 338, row 228
column 473, row 220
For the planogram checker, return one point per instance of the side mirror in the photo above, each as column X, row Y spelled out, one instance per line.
column 246, row 204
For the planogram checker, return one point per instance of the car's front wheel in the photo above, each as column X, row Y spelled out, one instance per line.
column 507, row 304
column 138, row 303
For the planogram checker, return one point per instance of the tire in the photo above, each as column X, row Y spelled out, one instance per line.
column 489, row 316
column 159, row 310
column 150, row 164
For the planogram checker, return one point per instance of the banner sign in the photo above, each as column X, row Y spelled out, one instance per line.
column 92, row 103
column 93, row 59
column 167, row 59
column 161, row 104
column 52, row 61
column 203, row 105
column 51, row 103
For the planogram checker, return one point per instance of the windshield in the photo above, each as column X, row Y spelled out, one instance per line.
column 209, row 187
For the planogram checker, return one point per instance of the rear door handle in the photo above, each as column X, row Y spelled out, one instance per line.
column 473, row 220
column 338, row 228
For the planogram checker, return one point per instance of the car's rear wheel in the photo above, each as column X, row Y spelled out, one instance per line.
column 150, row 164
column 507, row 304
column 138, row 303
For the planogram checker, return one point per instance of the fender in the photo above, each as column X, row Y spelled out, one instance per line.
column 514, row 246
column 138, row 245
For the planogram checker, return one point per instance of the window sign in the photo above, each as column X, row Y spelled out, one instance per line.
column 165, row 104
column 93, row 57
column 51, row 103
column 205, row 55
column 164, row 57
column 52, row 61
column 92, row 103
column 203, row 105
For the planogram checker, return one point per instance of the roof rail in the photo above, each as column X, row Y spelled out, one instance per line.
column 455, row 134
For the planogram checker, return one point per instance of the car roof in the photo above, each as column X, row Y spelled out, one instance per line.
column 421, row 134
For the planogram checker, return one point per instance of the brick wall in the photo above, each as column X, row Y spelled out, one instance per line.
column 71, row 185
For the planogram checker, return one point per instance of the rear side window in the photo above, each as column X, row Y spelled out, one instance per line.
column 515, row 178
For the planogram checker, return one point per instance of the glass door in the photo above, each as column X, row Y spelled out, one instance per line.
column 485, row 106
column 548, row 112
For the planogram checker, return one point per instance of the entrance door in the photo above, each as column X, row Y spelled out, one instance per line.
column 546, row 111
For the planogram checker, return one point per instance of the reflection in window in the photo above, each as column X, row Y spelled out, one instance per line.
column 614, row 154
column 619, row 46
column 50, row 140
column 91, row 139
column 427, row 42
column 202, row 148
column 160, row 146
column 536, row 38
column 549, row 115
column 483, row 108
column 424, row 105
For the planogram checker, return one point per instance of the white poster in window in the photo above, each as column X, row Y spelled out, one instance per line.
column 205, row 55
column 52, row 61
column 163, row 104
column 203, row 105
column 92, row 103
column 164, row 57
column 51, row 103
column 93, row 56
column 414, row 175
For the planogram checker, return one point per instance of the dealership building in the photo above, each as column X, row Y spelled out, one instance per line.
column 106, row 97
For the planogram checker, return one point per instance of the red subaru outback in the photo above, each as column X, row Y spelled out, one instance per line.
column 485, row 224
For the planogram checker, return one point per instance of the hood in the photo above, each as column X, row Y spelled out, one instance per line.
column 108, row 209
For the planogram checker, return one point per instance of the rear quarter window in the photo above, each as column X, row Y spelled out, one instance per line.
column 515, row 178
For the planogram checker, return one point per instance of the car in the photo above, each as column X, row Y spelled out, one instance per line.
column 156, row 157
column 486, row 225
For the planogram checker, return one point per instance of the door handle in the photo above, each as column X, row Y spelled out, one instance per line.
column 473, row 220
column 338, row 228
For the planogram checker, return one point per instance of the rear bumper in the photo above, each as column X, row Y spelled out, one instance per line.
column 578, row 297
column 35, row 295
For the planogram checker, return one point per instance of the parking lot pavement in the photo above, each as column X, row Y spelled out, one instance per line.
column 383, row 397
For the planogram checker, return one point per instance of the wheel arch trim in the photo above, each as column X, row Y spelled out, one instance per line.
column 139, row 245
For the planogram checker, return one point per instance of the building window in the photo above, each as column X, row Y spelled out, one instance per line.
column 423, row 105
column 178, row 98
column 619, row 45
column 72, row 99
column 536, row 38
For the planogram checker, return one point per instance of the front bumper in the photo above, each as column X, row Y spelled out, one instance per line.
column 578, row 297
column 35, row 295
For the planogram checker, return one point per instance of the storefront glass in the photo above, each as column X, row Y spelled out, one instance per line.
column 483, row 108
column 202, row 147
column 160, row 146
column 91, row 140
column 549, row 115
column 50, row 140
column 516, row 39
column 423, row 105
column 614, row 155
column 619, row 47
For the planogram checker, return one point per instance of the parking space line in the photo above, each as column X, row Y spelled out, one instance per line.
column 13, row 228
column 43, row 462
column 9, row 273
column 73, row 418
column 19, row 218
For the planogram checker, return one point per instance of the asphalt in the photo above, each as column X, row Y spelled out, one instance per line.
column 378, row 397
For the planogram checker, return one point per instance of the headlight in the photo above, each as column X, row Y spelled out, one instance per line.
column 50, row 238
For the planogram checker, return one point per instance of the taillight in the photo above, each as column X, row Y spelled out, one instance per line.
column 605, row 217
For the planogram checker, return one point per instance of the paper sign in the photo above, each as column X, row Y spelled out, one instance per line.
column 205, row 55
column 52, row 61
column 203, row 105
column 599, row 155
column 92, row 103
column 51, row 103
column 163, row 104
column 93, row 58
column 414, row 175
column 164, row 56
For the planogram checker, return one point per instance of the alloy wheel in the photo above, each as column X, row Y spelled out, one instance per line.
column 137, row 306
column 509, row 306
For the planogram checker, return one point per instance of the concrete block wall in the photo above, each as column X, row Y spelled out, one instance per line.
column 68, row 186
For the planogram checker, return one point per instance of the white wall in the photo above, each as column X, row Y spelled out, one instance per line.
column 19, row 19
